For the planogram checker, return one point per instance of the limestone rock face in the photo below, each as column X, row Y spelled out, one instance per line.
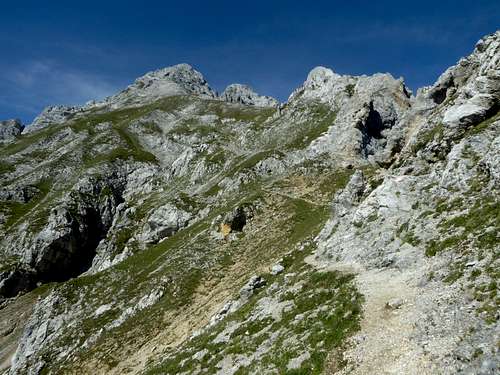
column 40, row 334
column 350, row 195
column 243, row 94
column 52, row 115
column 167, row 220
column 473, row 85
column 10, row 129
column 21, row 194
column 368, row 112
column 179, row 79
column 320, row 83
column 65, row 246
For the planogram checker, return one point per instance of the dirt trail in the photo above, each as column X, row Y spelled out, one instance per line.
column 384, row 344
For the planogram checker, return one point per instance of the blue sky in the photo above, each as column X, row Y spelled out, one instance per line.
column 68, row 52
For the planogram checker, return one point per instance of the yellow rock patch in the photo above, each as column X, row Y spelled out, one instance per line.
column 225, row 229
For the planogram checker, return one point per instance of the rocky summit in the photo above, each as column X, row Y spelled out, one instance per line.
column 168, row 229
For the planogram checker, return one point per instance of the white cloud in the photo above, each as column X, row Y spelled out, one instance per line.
column 51, row 83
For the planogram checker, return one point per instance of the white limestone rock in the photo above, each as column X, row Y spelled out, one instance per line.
column 277, row 269
column 464, row 114
column 473, row 85
column 368, row 110
column 243, row 94
column 348, row 197
column 179, row 79
column 163, row 222
column 53, row 115
column 10, row 129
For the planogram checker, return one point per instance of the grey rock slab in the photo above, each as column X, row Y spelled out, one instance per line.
column 10, row 129
column 277, row 269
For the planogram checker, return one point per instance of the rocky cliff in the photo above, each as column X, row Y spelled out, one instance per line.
column 172, row 230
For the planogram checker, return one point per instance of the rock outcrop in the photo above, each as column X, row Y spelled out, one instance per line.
column 472, row 86
column 10, row 129
column 243, row 94
column 66, row 245
column 164, row 222
column 368, row 111
column 53, row 115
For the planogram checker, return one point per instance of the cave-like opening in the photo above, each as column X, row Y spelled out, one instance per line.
column 72, row 254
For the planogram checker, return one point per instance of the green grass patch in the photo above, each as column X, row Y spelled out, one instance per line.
column 301, row 135
column 476, row 129
column 6, row 167
column 435, row 133
column 16, row 211
column 330, row 308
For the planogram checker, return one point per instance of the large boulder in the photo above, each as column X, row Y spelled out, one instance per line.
column 164, row 222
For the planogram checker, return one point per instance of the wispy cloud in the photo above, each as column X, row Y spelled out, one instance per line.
column 58, row 82
column 32, row 85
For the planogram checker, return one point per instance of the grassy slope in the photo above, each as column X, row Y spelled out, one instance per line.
column 292, row 209
column 191, row 260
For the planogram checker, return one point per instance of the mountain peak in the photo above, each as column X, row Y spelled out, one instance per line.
column 184, row 75
column 320, row 83
column 320, row 75
column 180, row 79
column 243, row 94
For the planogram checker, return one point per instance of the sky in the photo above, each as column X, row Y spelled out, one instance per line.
column 69, row 52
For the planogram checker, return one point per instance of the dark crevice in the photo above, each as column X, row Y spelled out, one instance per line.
column 372, row 131
column 72, row 254
column 492, row 112
column 82, row 224
column 16, row 281
column 239, row 220
column 374, row 124
column 406, row 92
column 439, row 95
column 475, row 122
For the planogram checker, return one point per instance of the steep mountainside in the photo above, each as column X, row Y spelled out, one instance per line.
column 170, row 230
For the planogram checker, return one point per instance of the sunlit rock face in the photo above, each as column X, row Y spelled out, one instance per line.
column 10, row 129
column 243, row 94
column 203, row 233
